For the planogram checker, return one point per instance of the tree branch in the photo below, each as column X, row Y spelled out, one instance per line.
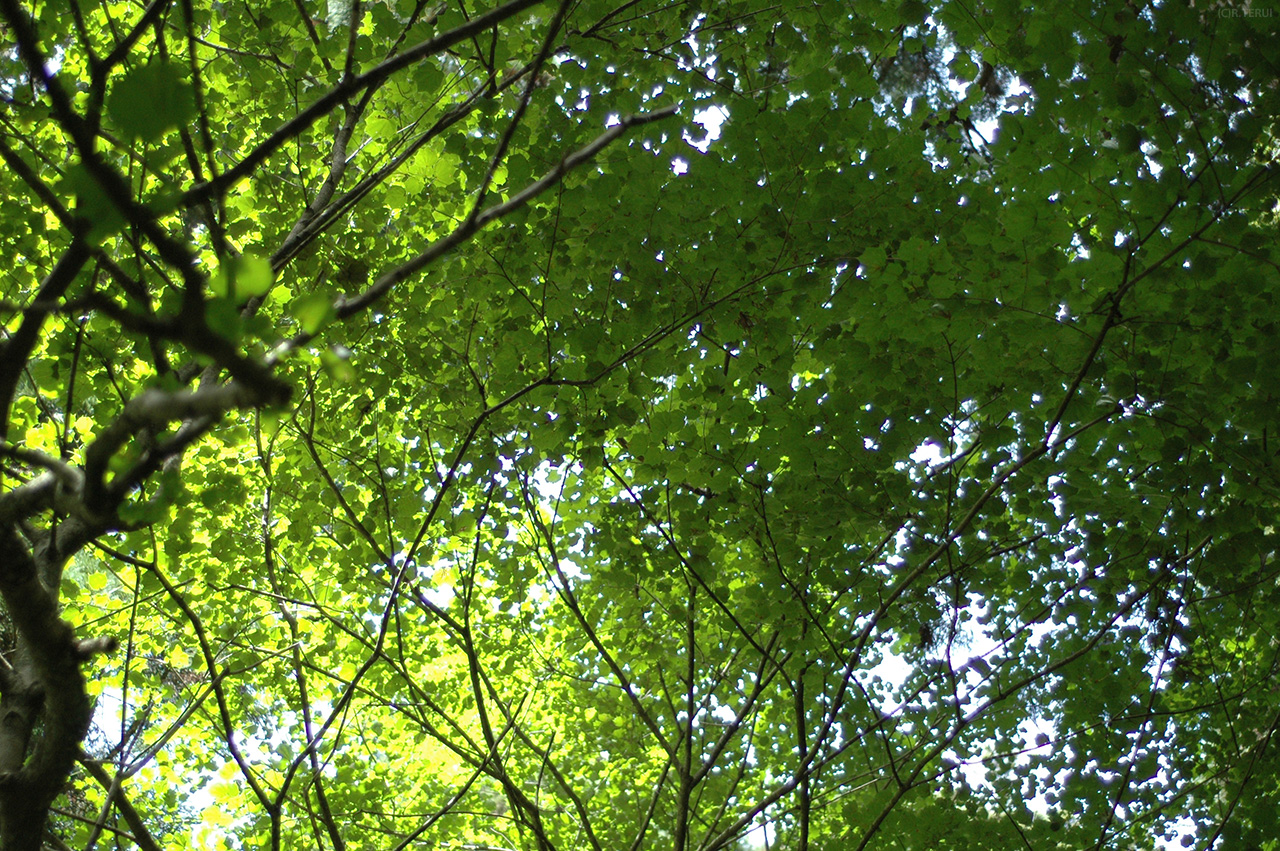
column 349, row 306
column 344, row 90
column 18, row 348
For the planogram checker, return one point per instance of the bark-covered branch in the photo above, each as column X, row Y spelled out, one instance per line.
column 156, row 409
column 17, row 349
column 47, row 685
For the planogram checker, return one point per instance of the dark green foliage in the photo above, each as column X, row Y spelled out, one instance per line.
column 607, row 425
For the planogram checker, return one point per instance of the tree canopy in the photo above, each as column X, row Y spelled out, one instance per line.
column 624, row 424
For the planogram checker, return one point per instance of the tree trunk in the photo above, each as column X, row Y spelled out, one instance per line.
column 42, row 683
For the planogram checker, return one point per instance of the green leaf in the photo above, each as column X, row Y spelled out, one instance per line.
column 337, row 364
column 150, row 100
column 242, row 277
column 313, row 312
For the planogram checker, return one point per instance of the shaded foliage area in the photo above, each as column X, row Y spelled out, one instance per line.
column 631, row 424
